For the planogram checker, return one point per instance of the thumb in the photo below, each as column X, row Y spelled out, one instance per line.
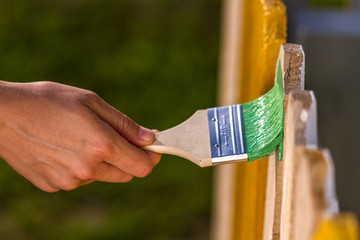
column 122, row 124
column 133, row 132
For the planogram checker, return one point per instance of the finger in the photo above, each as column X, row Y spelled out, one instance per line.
column 131, row 159
column 115, row 150
column 122, row 124
column 155, row 157
column 34, row 177
column 40, row 182
column 108, row 173
column 43, row 185
column 85, row 182
column 58, row 178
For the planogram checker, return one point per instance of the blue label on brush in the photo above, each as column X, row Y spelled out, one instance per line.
column 226, row 129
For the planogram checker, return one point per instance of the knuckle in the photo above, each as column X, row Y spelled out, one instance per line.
column 84, row 173
column 155, row 157
column 44, row 85
column 123, row 123
column 66, row 183
column 100, row 149
column 68, row 186
column 46, row 88
column 89, row 97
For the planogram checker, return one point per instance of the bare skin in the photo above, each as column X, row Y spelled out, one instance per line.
column 61, row 137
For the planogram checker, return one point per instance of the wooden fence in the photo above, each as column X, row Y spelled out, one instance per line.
column 267, row 199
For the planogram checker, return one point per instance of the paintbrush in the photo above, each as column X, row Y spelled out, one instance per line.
column 236, row 133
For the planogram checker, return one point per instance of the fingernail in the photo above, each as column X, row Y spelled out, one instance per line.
column 146, row 134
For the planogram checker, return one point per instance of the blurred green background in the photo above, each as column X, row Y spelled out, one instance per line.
column 154, row 60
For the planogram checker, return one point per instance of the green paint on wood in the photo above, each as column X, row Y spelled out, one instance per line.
column 264, row 121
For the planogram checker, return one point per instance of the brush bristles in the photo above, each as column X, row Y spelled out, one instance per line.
column 264, row 121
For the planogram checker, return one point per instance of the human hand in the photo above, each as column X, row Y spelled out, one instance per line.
column 61, row 137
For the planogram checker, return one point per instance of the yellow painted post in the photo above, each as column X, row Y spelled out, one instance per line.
column 252, row 33
column 343, row 227
column 264, row 30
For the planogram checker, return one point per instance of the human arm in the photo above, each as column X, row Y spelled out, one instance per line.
column 61, row 137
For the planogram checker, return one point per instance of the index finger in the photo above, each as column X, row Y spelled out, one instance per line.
column 126, row 156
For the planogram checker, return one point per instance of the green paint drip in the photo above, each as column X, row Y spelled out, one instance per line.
column 264, row 121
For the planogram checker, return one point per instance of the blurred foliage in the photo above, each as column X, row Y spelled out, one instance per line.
column 330, row 3
column 154, row 60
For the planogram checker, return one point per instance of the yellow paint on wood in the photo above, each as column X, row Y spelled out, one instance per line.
column 264, row 31
column 343, row 227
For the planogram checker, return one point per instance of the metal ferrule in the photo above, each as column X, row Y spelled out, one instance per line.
column 227, row 135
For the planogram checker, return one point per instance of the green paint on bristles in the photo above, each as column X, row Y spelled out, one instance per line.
column 264, row 121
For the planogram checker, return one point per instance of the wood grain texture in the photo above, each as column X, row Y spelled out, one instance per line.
column 308, row 189
column 299, row 191
column 303, row 202
column 291, row 57
column 262, row 28
column 189, row 140
column 309, row 203
column 295, row 129
column 264, row 32
column 228, row 93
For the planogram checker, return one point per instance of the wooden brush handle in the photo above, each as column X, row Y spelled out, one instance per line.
column 189, row 140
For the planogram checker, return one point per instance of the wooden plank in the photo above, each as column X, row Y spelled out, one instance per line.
column 263, row 34
column 270, row 197
column 247, row 71
column 299, row 191
column 284, row 183
column 297, row 120
column 223, row 206
column 292, row 59
column 309, row 201
column 264, row 31
column 232, row 27
column 308, row 192
column 303, row 202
